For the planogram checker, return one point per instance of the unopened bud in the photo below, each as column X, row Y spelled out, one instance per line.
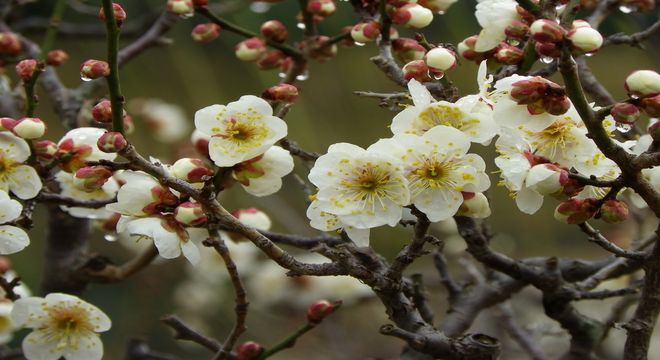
column 25, row 69
column 94, row 69
column 406, row 50
column 643, row 83
column 417, row 70
column 437, row 6
column 556, row 104
column 348, row 42
column 625, row 113
column 29, row 128
column 118, row 11
column 57, row 57
column 190, row 213
column 529, row 91
column 547, row 49
column 250, row 49
column 45, row 149
column 365, row 32
column 248, row 351
column 585, row 39
column 253, row 217
column 440, row 59
column 508, row 54
column 271, row 60
column 575, row 211
column 475, row 205
column 320, row 310
column 183, row 8
column 651, row 105
column 10, row 44
column 466, row 50
column 91, row 178
column 613, row 211
column 111, row 142
column 7, row 123
column 546, row 179
column 200, row 141
column 654, row 131
column 517, row 30
column 205, row 32
column 281, row 92
column 102, row 112
column 412, row 15
column 544, row 30
column 274, row 30
column 129, row 125
column 191, row 170
column 322, row 8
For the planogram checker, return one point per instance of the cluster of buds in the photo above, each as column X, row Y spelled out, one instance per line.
column 27, row 128
column 111, row 142
column 466, row 49
column 94, row 69
column 26, row 69
column 643, row 86
column 281, row 92
column 416, row 69
column 551, row 179
column 204, row 33
column 320, row 310
column 318, row 50
column 547, row 34
column 190, row 213
column 576, row 211
column 411, row 15
column 508, row 54
column 540, row 95
column 10, row 44
column 407, row 50
column 118, row 12
column 613, row 211
column 91, row 178
column 191, row 170
column 439, row 60
column 56, row 57
column 182, row 8
column 45, row 150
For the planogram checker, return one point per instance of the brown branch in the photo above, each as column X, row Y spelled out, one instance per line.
column 59, row 199
column 184, row 332
column 596, row 237
column 413, row 250
column 522, row 337
column 634, row 39
column 9, row 286
column 109, row 273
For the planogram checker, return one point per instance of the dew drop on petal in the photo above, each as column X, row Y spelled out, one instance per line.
column 623, row 128
column 626, row 9
column 358, row 43
column 547, row 59
column 259, row 7
column 300, row 26
column 589, row 54
column 282, row 75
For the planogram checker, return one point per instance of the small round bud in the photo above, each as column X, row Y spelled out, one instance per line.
column 322, row 8
column 365, row 32
column 10, row 44
column 651, row 105
column 529, row 91
column 274, row 30
column 320, row 310
column 184, row 8
column 204, row 33
column 45, row 150
column 111, row 142
column 440, row 59
column 118, row 11
column 91, row 178
column 253, row 217
column 271, row 60
column 407, row 50
column 7, row 123
column 507, row 54
column 29, row 128
column 248, row 351
column 281, row 92
column 416, row 69
column 475, row 205
column 556, row 104
column 544, row 30
column 585, row 39
column 250, row 49
column 654, row 131
column 57, row 57
column 191, row 170
column 613, row 211
column 94, row 69
column 200, row 141
column 547, row 50
column 625, row 113
column 412, row 15
column 466, row 50
column 576, row 211
column 25, row 69
column 517, row 30
column 102, row 112
column 190, row 213
column 525, row 15
column 643, row 83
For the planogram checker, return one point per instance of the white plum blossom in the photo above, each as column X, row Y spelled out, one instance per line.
column 168, row 122
column 438, row 169
column 262, row 175
column 324, row 221
column 64, row 326
column 241, row 130
column 7, row 326
column 107, row 192
column 12, row 239
column 80, row 146
column 494, row 16
column 22, row 180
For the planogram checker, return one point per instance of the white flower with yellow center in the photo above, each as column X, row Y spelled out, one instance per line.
column 22, row 180
column 12, row 238
column 107, row 192
column 262, row 175
column 494, row 16
column 438, row 169
column 241, row 130
column 324, row 221
column 364, row 188
column 469, row 115
column 64, row 327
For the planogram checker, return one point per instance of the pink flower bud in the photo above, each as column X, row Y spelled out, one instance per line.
column 440, row 59
column 205, row 32
column 183, row 8
column 94, row 69
column 365, row 32
column 508, row 54
column 248, row 351
column 625, row 113
column 118, row 11
column 529, row 91
column 517, row 30
column 250, row 49
column 585, row 39
column 418, row 70
column 412, row 15
column 475, row 205
column 129, row 125
column 654, row 131
column 320, row 310
column 271, row 60
column 25, row 69
column 91, row 178
column 613, row 211
column 274, row 30
column 643, row 83
column 544, row 30
column 102, row 112
column 407, row 50
column 547, row 49
column 45, row 150
column 190, row 213
column 29, row 128
column 57, row 57
column 111, row 142
column 576, row 211
column 466, row 50
column 10, row 44
column 281, row 92
column 191, row 170
column 651, row 105
column 7, row 123
column 556, row 104
column 200, row 141
column 322, row 8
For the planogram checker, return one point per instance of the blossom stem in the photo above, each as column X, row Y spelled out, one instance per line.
column 386, row 22
column 116, row 99
column 529, row 57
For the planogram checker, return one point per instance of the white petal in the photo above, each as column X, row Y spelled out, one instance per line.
column 10, row 209
column 359, row 236
column 419, row 93
column 207, row 120
column 12, row 239
column 191, row 252
column 13, row 148
column 24, row 182
column 438, row 204
column 247, row 102
column 28, row 312
column 528, row 201
column 168, row 243
column 38, row 345
column 90, row 348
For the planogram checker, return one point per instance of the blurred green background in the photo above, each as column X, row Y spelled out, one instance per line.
column 195, row 75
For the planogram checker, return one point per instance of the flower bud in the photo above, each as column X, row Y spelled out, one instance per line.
column 466, row 50
column 365, row 32
column 412, row 15
column 525, row 15
column 29, row 128
column 643, row 83
column 102, row 112
column 129, row 125
column 191, row 170
column 57, row 57
column 281, row 92
column 200, row 141
column 248, row 351
column 250, row 49
column 406, row 50
column 580, row 24
column 585, row 39
column 253, row 217
column 475, row 205
column 440, row 59
column 507, row 54
column 45, row 150
column 625, row 113
column 613, row 211
column 111, row 142
column 348, row 42
column 94, row 69
column 529, row 91
column 271, row 60
column 10, row 44
column 183, row 8
column 91, row 178
column 322, row 8
column 517, row 30
column 651, row 105
column 190, row 213
column 25, row 69
column 204, row 33
column 654, row 131
column 575, row 211
column 118, row 11
column 546, row 179
column 274, row 30
column 416, row 69
column 320, row 310
column 547, row 50
column 7, row 123
column 544, row 30
column 556, row 104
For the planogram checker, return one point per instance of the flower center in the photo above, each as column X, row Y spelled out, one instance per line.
column 441, row 114
column 67, row 324
column 368, row 184
column 431, row 173
column 554, row 139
